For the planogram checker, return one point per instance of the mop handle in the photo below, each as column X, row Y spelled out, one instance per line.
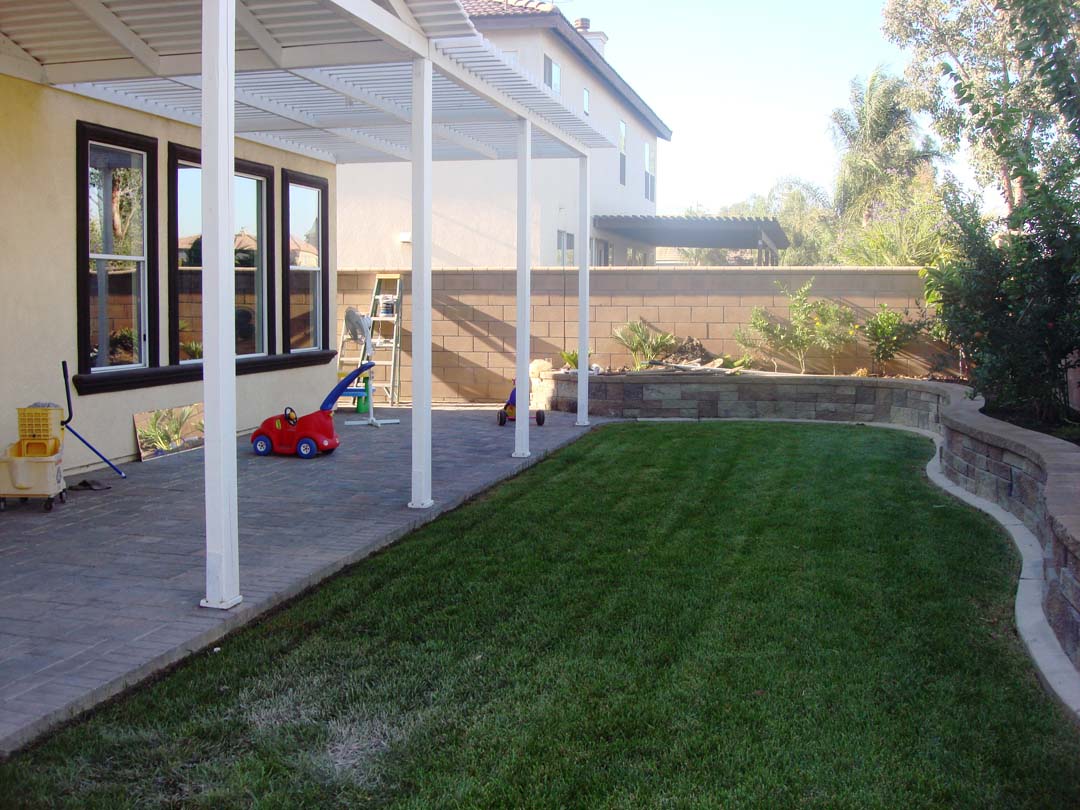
column 71, row 415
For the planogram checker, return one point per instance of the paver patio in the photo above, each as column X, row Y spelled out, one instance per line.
column 104, row 590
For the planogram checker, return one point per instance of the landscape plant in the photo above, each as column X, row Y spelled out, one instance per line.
column 836, row 328
column 889, row 332
column 643, row 342
column 793, row 336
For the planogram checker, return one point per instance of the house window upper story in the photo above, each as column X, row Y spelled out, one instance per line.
column 622, row 153
column 565, row 249
column 306, row 280
column 552, row 75
column 117, row 249
column 585, row 101
column 253, row 248
column 650, row 172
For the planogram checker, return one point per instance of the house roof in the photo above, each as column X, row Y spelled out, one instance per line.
column 493, row 15
column 496, row 8
column 736, row 233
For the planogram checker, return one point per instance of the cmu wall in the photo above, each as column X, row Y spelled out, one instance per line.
column 474, row 314
column 1034, row 476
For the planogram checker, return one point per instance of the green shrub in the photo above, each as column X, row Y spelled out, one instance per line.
column 642, row 342
column 835, row 328
column 889, row 332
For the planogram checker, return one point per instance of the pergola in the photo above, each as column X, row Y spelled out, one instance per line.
column 763, row 234
column 346, row 81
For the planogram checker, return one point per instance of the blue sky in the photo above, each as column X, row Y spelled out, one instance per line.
column 747, row 87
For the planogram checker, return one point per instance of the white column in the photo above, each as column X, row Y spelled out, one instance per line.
column 421, row 284
column 218, row 306
column 585, row 229
column 524, row 288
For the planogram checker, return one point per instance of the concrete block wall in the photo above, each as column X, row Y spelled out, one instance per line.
column 474, row 315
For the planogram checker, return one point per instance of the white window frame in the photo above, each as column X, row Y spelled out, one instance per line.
column 623, row 136
column 552, row 75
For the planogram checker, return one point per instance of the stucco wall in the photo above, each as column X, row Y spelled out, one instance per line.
column 38, row 310
column 474, row 315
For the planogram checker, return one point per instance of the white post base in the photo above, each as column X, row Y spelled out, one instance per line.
column 423, row 505
column 581, row 424
column 236, row 600
column 521, row 455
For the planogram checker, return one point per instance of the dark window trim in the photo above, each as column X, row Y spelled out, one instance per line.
column 85, row 132
column 192, row 372
column 290, row 177
column 178, row 153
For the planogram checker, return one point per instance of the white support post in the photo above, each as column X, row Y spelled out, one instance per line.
column 219, row 327
column 421, row 284
column 524, row 288
column 583, row 257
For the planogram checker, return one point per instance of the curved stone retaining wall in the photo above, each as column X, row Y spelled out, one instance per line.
column 1034, row 476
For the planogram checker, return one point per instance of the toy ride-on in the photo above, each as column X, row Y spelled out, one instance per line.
column 305, row 436
column 508, row 412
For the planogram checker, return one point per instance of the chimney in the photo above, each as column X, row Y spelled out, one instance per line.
column 598, row 39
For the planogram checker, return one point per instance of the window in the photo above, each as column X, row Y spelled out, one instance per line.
column 116, row 282
column 253, row 190
column 622, row 153
column 565, row 249
column 585, row 100
column 306, row 279
column 601, row 253
column 650, row 173
column 552, row 75
column 636, row 257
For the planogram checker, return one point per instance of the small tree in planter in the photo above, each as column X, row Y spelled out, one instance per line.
column 643, row 343
column 889, row 332
column 794, row 337
column 835, row 328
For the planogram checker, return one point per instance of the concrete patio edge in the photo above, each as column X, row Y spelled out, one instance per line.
column 245, row 613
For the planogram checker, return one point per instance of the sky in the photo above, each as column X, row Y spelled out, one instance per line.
column 747, row 87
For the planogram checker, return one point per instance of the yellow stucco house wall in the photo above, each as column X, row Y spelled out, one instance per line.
column 39, row 305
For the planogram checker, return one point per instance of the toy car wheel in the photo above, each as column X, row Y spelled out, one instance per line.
column 63, row 496
column 540, row 418
column 262, row 445
column 48, row 504
column 306, row 448
column 501, row 417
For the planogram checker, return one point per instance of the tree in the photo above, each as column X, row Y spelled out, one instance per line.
column 876, row 137
column 908, row 227
column 835, row 328
column 976, row 41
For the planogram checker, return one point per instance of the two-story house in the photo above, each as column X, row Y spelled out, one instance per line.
column 475, row 201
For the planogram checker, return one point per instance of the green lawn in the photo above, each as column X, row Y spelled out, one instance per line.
column 727, row 615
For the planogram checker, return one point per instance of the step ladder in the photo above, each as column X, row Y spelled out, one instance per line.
column 356, row 336
column 385, row 312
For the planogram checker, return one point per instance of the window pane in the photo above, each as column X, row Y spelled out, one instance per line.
column 305, row 232
column 249, row 263
column 116, row 190
column 303, row 309
column 115, row 301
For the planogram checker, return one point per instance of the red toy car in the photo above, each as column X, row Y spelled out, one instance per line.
column 305, row 436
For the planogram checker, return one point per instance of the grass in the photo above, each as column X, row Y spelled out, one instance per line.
column 713, row 615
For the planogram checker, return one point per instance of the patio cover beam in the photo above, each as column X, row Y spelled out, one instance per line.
column 258, row 32
column 124, row 36
column 583, row 251
column 524, row 290
column 421, row 284
column 393, row 109
column 17, row 62
column 218, row 305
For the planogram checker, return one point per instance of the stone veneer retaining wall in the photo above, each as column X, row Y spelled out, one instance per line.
column 1034, row 476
